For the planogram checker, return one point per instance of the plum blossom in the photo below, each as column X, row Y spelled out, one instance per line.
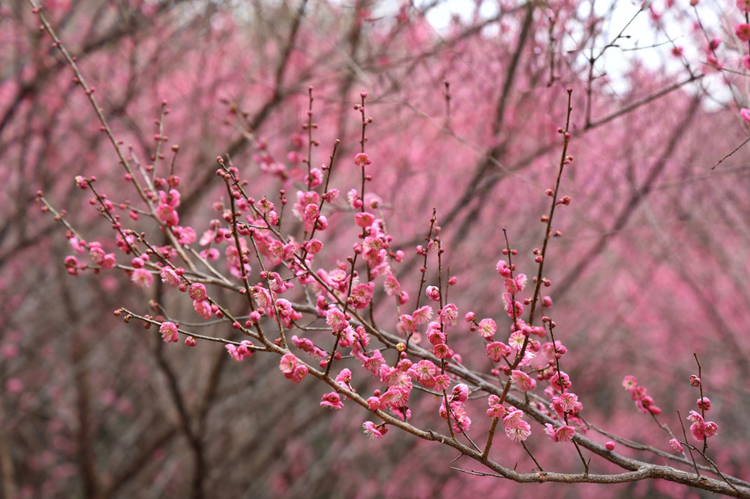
column 142, row 278
column 497, row 350
column 523, row 381
column 362, row 159
column 515, row 286
column 433, row 293
column 743, row 31
column 568, row 402
column 336, row 319
column 288, row 363
column 516, row 428
column 331, row 400
column 516, row 340
column 298, row 374
column 449, row 315
column 422, row 315
column 561, row 433
column 167, row 215
column 373, row 431
column 630, row 383
column 701, row 429
column 704, row 403
column 391, row 285
column 560, row 381
column 364, row 219
column 423, row 370
column 487, row 329
column 197, row 291
column 238, row 353
column 503, row 269
column 168, row 332
column 676, row 445
column 442, row 382
column 203, row 308
column 345, row 379
column 441, row 351
column 170, row 277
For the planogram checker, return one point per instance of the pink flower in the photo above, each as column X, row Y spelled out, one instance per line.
column 568, row 401
column 745, row 113
column 496, row 411
column 630, row 383
column 239, row 352
column 523, row 381
column 515, row 286
column 710, row 429
column 559, row 384
column 391, row 285
column 299, row 373
column 516, row 340
column 743, row 31
column 461, row 421
column 336, row 319
column 516, row 428
column 79, row 246
column 423, row 370
column 610, row 445
column 373, row 403
column 449, row 315
column 344, row 378
column 407, row 323
column 701, row 429
column 704, row 403
column 331, row 400
column 190, row 341
column 373, row 364
column 441, row 351
column 168, row 331
column 497, row 350
column 197, row 291
column 442, row 382
column 363, row 219
column 433, row 293
column 434, row 335
column 677, row 446
column 422, row 315
column 373, row 431
column 203, row 308
column 695, row 381
column 503, row 269
column 560, row 434
column 142, row 278
column 186, row 235
column 487, row 329
column 743, row 5
column 362, row 159
column 288, row 363
column 167, row 215
column 512, row 307
column 170, row 277
column 460, row 393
